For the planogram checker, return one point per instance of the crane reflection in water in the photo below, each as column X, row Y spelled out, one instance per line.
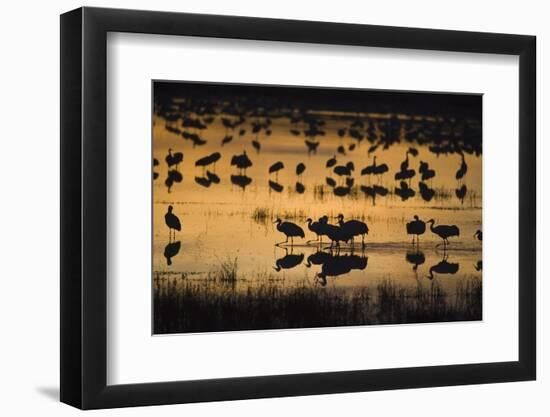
column 274, row 204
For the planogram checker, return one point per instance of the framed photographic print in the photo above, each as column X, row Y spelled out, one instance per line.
column 256, row 208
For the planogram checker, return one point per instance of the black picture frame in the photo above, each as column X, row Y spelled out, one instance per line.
column 84, row 207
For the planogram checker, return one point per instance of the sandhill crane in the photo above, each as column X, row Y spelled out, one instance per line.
column 256, row 145
column 155, row 164
column 344, row 170
column 300, row 188
column 416, row 228
column 213, row 178
column 208, row 160
column 317, row 258
column 335, row 234
column 226, row 139
column 331, row 162
column 353, row 228
column 341, row 150
column 275, row 186
column 425, row 171
column 444, row 231
column 173, row 159
column 172, row 221
column 462, row 170
column 242, row 161
column 300, row 168
column 330, row 182
column 290, row 230
column 173, row 176
column 317, row 228
column 415, row 258
column 479, row 235
column 461, row 193
column 241, row 181
column 275, row 168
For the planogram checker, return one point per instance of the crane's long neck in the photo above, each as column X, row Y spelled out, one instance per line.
column 432, row 226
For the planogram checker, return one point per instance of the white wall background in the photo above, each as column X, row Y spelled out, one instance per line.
column 29, row 209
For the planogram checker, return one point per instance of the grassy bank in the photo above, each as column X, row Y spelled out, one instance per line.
column 195, row 306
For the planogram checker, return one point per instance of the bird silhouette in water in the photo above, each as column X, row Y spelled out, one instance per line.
column 404, row 191
column 242, row 162
column 478, row 235
column 336, row 235
column 443, row 267
column 172, row 221
column 341, row 150
column 461, row 193
column 317, row 258
column 416, row 228
column 275, row 186
column 353, row 228
column 290, row 230
column 344, row 170
column 173, row 159
column 256, row 145
column 405, row 173
column 462, row 169
column 479, row 265
column 226, row 139
column 300, row 188
column 425, row 171
column 212, row 177
column 336, row 265
column 241, row 181
column 311, row 146
column 426, row 192
column 288, row 261
column 300, row 168
column 331, row 162
column 171, row 250
column 155, row 164
column 275, row 168
column 415, row 258
column 173, row 176
column 444, row 231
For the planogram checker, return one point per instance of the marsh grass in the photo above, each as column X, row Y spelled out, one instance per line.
column 192, row 306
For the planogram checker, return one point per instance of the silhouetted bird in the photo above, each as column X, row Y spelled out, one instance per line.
column 300, row 168
column 331, row 162
column 288, row 261
column 171, row 250
column 330, row 182
column 172, row 221
column 242, row 161
column 425, row 171
column 416, row 228
column 353, row 228
column 479, row 235
column 479, row 265
column 317, row 258
column 203, row 181
column 275, row 168
column 462, row 170
column 340, row 265
column 300, row 188
column 444, row 231
column 290, row 230
column 317, row 228
column 341, row 191
column 344, row 170
column 226, row 140
column 341, row 150
column 155, row 163
column 256, row 145
column 295, row 132
column 173, row 159
column 208, row 160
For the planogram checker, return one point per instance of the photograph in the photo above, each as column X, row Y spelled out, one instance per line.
column 279, row 207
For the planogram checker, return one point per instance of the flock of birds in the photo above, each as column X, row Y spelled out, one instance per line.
column 379, row 133
column 333, row 263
